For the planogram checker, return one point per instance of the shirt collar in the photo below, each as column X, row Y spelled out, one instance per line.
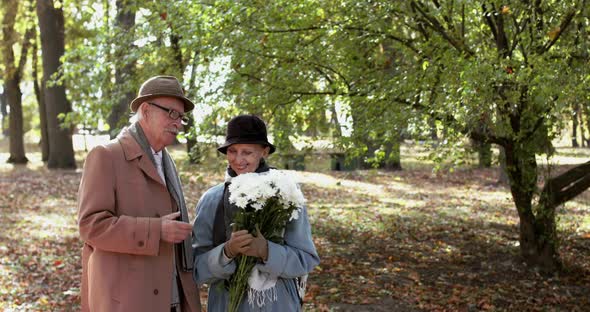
column 158, row 154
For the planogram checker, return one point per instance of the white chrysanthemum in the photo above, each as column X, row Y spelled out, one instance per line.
column 265, row 187
column 256, row 188
column 241, row 201
column 289, row 191
column 294, row 214
column 258, row 205
column 243, row 189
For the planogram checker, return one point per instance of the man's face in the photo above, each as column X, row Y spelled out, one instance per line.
column 159, row 127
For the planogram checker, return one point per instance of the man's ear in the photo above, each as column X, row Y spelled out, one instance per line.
column 144, row 108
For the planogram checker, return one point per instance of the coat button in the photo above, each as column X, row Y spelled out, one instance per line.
column 155, row 291
column 140, row 244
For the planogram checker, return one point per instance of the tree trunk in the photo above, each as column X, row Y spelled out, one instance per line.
column 538, row 239
column 393, row 155
column 433, row 131
column 587, row 117
column 583, row 139
column 125, row 20
column 17, row 143
column 337, row 134
column 51, row 25
column 484, row 153
column 575, row 126
column 502, row 176
column 4, row 112
column 195, row 153
column 42, row 110
column 12, row 92
column 191, row 140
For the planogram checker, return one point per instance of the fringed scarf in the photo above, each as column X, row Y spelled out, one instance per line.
column 262, row 284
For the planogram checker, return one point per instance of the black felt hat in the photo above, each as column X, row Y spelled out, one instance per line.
column 246, row 129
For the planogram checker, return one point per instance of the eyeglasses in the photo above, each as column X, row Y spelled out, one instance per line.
column 172, row 113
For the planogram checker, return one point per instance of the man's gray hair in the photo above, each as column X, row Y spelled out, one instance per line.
column 138, row 115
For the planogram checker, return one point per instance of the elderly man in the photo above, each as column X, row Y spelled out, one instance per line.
column 132, row 215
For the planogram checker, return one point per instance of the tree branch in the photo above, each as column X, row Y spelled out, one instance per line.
column 502, row 42
column 309, row 93
column 519, row 29
column 405, row 42
column 312, row 64
column 433, row 23
column 566, row 186
column 486, row 137
column 287, row 30
column 489, row 21
column 24, row 51
column 560, row 30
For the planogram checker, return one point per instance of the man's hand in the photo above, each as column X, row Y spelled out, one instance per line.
column 258, row 247
column 237, row 244
column 174, row 231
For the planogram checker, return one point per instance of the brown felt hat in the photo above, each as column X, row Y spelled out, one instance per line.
column 159, row 86
column 246, row 129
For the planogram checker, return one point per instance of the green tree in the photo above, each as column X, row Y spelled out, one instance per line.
column 108, row 59
column 293, row 63
column 39, row 96
column 51, row 25
column 13, row 72
column 122, row 40
column 492, row 72
column 503, row 65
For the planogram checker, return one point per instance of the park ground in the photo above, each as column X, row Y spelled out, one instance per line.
column 414, row 240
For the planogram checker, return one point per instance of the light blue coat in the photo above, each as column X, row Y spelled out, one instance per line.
column 296, row 258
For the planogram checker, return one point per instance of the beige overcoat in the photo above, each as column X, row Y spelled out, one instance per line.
column 125, row 265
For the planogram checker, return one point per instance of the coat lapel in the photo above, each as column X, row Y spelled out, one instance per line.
column 132, row 150
column 172, row 179
column 175, row 188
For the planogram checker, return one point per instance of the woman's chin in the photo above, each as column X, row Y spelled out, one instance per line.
column 241, row 171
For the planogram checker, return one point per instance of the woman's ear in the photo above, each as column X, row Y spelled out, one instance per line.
column 266, row 151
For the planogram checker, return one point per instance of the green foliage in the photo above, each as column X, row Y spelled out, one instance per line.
column 361, row 74
column 160, row 42
column 500, row 73
column 30, row 115
column 392, row 62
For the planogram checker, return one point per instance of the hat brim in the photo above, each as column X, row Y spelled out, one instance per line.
column 188, row 104
column 223, row 148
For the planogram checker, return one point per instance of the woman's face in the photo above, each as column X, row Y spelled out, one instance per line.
column 244, row 158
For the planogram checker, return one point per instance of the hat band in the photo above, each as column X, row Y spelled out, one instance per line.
column 249, row 137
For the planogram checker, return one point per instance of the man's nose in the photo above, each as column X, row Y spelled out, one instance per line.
column 178, row 124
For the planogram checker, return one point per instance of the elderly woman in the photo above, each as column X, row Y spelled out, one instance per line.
column 246, row 148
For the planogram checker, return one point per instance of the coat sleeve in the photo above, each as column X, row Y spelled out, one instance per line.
column 298, row 256
column 209, row 265
column 98, row 222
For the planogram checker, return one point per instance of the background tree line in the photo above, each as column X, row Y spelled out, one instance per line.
column 362, row 75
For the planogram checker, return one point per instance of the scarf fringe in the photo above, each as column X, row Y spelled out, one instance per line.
column 260, row 297
column 301, row 286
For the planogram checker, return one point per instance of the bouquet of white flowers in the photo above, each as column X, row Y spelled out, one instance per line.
column 268, row 201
